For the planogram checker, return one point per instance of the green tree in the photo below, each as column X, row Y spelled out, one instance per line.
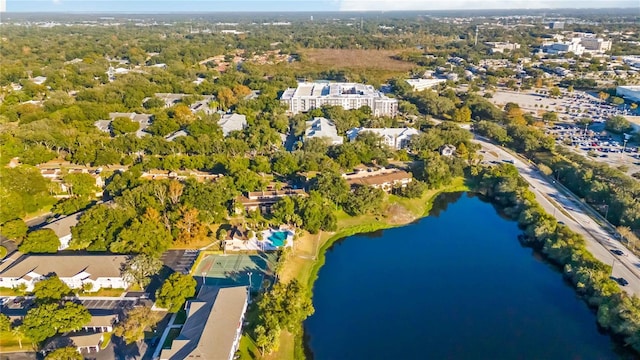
column 15, row 229
column 135, row 323
column 46, row 320
column 618, row 124
column 81, row 184
column 284, row 211
column 332, row 186
column 555, row 92
column 123, row 125
column 50, row 290
column 40, row 241
column 174, row 292
column 5, row 323
column 147, row 235
column 462, row 115
column 364, row 200
column 140, row 268
column 65, row 353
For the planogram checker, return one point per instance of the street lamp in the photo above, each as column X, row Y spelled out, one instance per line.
column 624, row 147
column 249, row 290
column 204, row 281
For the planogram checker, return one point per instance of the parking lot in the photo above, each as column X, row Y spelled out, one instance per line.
column 594, row 142
column 108, row 304
column 179, row 260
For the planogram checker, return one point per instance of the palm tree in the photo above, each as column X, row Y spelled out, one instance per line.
column 18, row 334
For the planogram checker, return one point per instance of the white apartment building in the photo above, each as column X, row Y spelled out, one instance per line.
column 101, row 271
column 559, row 48
column 395, row 138
column 422, row 84
column 595, row 44
column 312, row 95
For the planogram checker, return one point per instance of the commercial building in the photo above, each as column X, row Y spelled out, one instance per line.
column 312, row 95
column 322, row 128
column 631, row 93
column 213, row 327
column 500, row 47
column 559, row 48
column 100, row 271
column 595, row 44
column 422, row 84
column 396, row 138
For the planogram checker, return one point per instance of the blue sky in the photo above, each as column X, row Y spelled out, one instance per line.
column 164, row 6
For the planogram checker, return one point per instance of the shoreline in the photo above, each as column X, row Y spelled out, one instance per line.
column 293, row 346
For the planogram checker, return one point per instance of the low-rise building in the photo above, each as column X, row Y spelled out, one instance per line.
column 62, row 228
column 232, row 122
column 500, row 47
column 422, row 84
column 323, row 128
column 447, row 150
column 144, row 120
column 213, row 327
column 263, row 200
column 100, row 271
column 83, row 342
column 385, row 179
column 395, row 138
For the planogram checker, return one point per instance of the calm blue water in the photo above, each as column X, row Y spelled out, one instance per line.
column 455, row 285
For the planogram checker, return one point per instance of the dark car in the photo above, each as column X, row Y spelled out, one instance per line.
column 617, row 252
column 622, row 281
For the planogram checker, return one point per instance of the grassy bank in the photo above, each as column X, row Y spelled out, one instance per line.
column 310, row 251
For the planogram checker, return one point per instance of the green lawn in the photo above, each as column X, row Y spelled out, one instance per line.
column 10, row 292
column 173, row 333
column 105, row 292
column 106, row 340
column 3, row 252
column 9, row 343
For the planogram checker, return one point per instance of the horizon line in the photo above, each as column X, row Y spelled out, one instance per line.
column 314, row 11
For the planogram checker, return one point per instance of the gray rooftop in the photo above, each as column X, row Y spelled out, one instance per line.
column 62, row 227
column 65, row 265
column 211, row 326
column 232, row 122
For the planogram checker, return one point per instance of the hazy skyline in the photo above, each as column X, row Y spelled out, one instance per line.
column 166, row 6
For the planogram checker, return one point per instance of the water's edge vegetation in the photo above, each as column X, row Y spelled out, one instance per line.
column 617, row 313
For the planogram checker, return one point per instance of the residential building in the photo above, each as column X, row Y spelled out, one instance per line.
column 395, row 138
column 213, row 327
column 263, row 200
column 447, row 150
column 62, row 228
column 101, row 321
column 385, row 179
column 39, row 80
column 323, row 128
column 84, row 342
column 313, row 95
column 232, row 122
column 171, row 99
column 422, row 84
column 101, row 271
column 631, row 93
column 500, row 47
column 143, row 119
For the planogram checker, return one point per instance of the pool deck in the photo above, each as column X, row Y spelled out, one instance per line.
column 254, row 244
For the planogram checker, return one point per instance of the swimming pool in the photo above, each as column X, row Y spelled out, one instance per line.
column 279, row 238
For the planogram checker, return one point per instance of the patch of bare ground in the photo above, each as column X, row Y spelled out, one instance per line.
column 398, row 214
column 357, row 59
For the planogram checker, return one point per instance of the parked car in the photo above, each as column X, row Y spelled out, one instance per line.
column 622, row 281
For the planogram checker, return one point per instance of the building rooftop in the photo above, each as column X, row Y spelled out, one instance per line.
column 94, row 266
column 321, row 127
column 232, row 122
column 211, row 327
column 377, row 177
column 62, row 227
column 391, row 133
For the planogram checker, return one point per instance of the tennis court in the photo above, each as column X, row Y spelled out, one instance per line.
column 233, row 270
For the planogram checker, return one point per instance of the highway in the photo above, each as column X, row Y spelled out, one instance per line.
column 570, row 210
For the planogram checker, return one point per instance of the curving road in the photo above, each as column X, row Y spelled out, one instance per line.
column 567, row 208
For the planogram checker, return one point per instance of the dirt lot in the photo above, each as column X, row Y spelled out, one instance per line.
column 357, row 59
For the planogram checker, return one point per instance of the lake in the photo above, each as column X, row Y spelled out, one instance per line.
column 454, row 285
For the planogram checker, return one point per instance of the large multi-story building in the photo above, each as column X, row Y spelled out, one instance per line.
column 312, row 95
column 594, row 44
column 631, row 93
column 500, row 47
column 558, row 48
